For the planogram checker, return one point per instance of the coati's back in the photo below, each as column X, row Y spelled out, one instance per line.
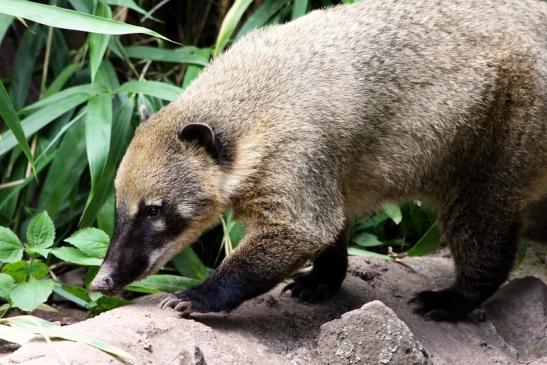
column 390, row 83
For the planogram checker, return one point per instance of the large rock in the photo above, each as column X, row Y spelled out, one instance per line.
column 274, row 329
column 372, row 334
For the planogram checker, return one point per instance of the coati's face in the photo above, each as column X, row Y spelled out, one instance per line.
column 167, row 193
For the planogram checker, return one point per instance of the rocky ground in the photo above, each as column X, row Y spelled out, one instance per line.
column 367, row 322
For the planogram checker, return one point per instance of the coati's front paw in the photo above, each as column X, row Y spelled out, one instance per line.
column 443, row 305
column 179, row 303
column 309, row 287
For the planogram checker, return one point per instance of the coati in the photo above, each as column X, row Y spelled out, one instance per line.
column 301, row 126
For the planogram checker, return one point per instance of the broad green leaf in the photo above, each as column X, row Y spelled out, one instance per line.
column 106, row 216
column 69, row 19
column 105, row 303
column 20, row 271
column 261, row 16
column 429, row 242
column 39, row 327
column 98, row 42
column 163, row 283
column 75, row 256
column 11, row 249
column 5, row 22
column 189, row 264
column 299, row 8
column 27, row 296
column 28, row 49
column 189, row 54
column 229, row 24
column 41, row 231
column 157, row 89
column 354, row 251
column 367, row 240
column 393, row 212
column 91, row 241
column 98, row 127
column 7, row 111
column 40, row 119
column 6, row 285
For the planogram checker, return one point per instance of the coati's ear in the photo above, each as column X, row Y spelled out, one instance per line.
column 143, row 112
column 201, row 135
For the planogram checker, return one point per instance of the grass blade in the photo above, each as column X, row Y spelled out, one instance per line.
column 157, row 89
column 229, row 24
column 98, row 127
column 7, row 112
column 430, row 241
column 98, row 42
column 299, row 8
column 5, row 22
column 58, row 97
column 70, row 19
column 61, row 80
column 40, row 119
column 190, row 54
column 261, row 16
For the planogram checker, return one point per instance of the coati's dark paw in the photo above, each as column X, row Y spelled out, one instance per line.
column 310, row 288
column 443, row 305
column 182, row 305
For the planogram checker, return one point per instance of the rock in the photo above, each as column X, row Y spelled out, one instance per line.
column 275, row 329
column 372, row 334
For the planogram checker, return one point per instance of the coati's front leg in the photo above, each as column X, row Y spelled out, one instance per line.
column 261, row 261
column 326, row 276
column 481, row 227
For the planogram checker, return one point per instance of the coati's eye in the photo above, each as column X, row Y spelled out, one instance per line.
column 152, row 211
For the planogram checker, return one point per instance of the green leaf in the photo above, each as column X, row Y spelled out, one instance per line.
column 11, row 249
column 189, row 264
column 7, row 112
column 40, row 327
column 430, row 241
column 58, row 97
column 229, row 24
column 393, row 212
column 367, row 240
column 40, row 119
column 157, row 89
column 6, row 285
column 41, row 231
column 69, row 19
column 128, row 4
column 74, row 294
column 163, row 283
column 61, row 80
column 28, row 49
column 27, row 296
column 299, row 8
column 190, row 54
column 98, row 126
column 75, row 256
column 98, row 42
column 261, row 16
column 91, row 241
column 5, row 22
column 21, row 270
column 354, row 251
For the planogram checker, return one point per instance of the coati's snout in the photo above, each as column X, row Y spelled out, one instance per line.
column 142, row 242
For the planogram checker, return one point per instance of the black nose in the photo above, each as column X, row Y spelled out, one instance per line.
column 102, row 284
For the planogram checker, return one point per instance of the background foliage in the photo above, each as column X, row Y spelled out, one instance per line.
column 69, row 104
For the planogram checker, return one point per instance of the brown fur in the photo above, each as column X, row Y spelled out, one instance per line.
column 330, row 115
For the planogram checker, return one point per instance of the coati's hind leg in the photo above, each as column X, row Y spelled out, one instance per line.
column 326, row 276
column 481, row 226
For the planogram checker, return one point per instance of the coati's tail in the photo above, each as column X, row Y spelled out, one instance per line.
column 535, row 221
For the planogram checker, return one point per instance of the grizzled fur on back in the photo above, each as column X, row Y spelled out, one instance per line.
column 322, row 119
